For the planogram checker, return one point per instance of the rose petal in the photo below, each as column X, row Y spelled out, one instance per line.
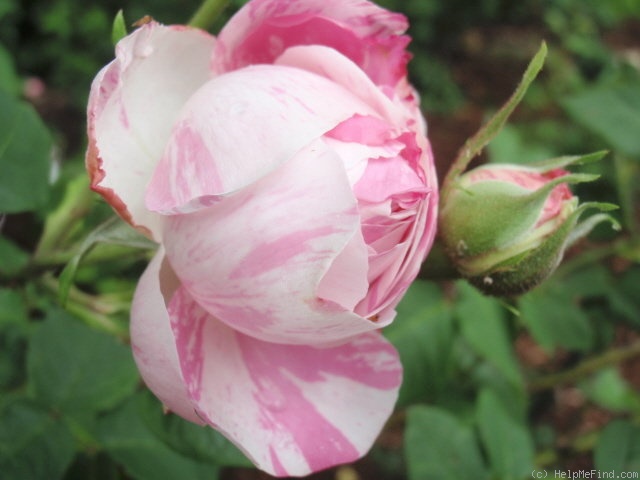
column 331, row 64
column 241, row 126
column 152, row 340
column 367, row 34
column 132, row 106
column 255, row 259
column 292, row 409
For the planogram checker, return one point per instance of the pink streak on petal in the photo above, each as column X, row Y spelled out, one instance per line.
column 367, row 34
column 153, row 343
column 269, row 255
column 292, row 409
column 189, row 150
column 284, row 405
column 129, row 116
column 187, row 323
column 278, row 469
column 249, row 122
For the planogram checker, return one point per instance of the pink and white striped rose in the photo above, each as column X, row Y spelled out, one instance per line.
column 284, row 169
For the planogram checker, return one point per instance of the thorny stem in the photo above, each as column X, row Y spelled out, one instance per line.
column 614, row 356
column 207, row 13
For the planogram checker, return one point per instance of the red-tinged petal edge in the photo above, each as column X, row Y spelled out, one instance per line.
column 132, row 106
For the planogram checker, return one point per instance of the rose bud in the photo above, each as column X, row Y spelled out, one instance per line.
column 284, row 169
column 506, row 227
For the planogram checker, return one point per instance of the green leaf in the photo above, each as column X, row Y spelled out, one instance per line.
column 128, row 440
column 611, row 111
column 13, row 258
column 626, row 301
column 12, row 308
column 609, row 390
column 439, row 447
column 554, row 319
column 483, row 326
column 200, row 443
column 618, row 448
column 77, row 369
column 34, row 445
column 506, row 440
column 9, row 81
column 114, row 231
column 25, row 147
column 14, row 330
column 119, row 29
column 423, row 335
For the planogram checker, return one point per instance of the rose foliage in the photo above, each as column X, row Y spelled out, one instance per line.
column 284, row 169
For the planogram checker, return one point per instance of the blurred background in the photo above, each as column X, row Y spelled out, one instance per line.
column 494, row 389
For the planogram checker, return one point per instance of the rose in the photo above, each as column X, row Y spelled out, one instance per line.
column 506, row 227
column 284, row 170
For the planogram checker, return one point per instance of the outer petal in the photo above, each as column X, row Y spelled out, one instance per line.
column 256, row 259
column 132, row 106
column 240, row 126
column 367, row 34
column 292, row 409
column 152, row 339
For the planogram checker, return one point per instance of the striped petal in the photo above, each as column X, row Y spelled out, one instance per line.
column 292, row 409
column 266, row 259
column 370, row 36
column 133, row 104
column 239, row 127
column 152, row 340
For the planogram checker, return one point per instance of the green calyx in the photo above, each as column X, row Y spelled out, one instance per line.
column 525, row 271
column 492, row 232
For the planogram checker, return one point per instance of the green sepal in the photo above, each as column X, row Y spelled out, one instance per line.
column 474, row 145
column 523, row 272
column 112, row 231
column 119, row 29
column 585, row 227
column 492, row 215
column 567, row 161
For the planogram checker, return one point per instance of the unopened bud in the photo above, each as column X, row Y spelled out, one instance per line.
column 506, row 227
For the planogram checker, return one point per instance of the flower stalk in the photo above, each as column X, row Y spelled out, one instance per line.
column 587, row 367
column 207, row 13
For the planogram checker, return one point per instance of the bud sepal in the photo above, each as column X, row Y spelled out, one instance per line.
column 506, row 227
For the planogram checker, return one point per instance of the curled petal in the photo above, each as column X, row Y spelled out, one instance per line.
column 152, row 340
column 370, row 36
column 241, row 126
column 132, row 106
column 256, row 259
column 292, row 409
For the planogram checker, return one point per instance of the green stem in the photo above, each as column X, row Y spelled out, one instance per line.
column 475, row 144
column 101, row 253
column 625, row 247
column 94, row 311
column 580, row 444
column 587, row 367
column 60, row 223
column 439, row 265
column 207, row 13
